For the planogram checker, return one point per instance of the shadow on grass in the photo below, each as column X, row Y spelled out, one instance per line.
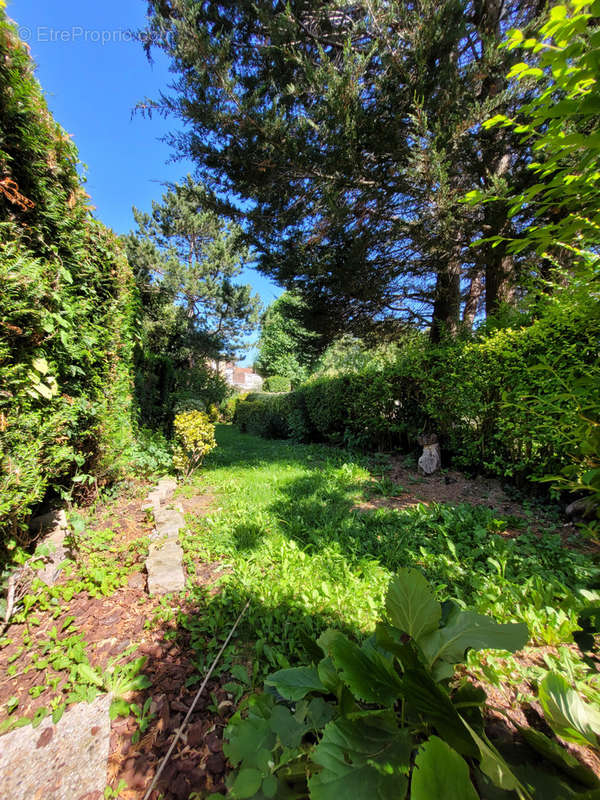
column 457, row 546
column 243, row 450
column 179, row 654
column 461, row 548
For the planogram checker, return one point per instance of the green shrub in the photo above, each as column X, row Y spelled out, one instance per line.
column 279, row 416
column 155, row 386
column 277, row 383
column 151, row 453
column 194, row 439
column 503, row 403
column 229, row 405
column 254, row 396
column 184, row 401
column 162, row 390
column 67, row 305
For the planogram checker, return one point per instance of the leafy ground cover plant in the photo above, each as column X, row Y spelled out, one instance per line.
column 286, row 530
column 51, row 642
column 385, row 719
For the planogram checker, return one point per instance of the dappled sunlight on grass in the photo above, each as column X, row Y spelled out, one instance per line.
column 291, row 534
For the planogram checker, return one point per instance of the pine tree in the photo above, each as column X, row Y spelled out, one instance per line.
column 187, row 253
column 346, row 136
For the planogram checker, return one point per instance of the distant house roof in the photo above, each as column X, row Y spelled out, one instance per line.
column 240, row 377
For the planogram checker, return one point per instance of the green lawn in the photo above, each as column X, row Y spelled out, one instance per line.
column 285, row 524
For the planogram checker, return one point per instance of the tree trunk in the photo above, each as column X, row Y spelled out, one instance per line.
column 499, row 264
column 446, row 306
column 472, row 300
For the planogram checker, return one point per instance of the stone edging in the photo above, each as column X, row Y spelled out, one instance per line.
column 164, row 564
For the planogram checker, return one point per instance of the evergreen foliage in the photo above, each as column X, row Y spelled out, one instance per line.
column 66, row 310
column 349, row 136
column 194, row 258
column 192, row 312
column 286, row 346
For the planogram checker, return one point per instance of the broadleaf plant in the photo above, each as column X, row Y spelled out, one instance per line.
column 388, row 718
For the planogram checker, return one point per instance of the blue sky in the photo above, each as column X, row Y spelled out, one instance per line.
column 93, row 75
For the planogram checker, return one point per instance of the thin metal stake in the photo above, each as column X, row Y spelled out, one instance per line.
column 191, row 708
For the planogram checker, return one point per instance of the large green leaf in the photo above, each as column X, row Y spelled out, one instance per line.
column 296, row 683
column 394, row 641
column 328, row 675
column 89, row 675
column 246, row 784
column 440, row 772
column 493, row 765
column 368, row 674
column 249, row 741
column 411, row 605
column 363, row 759
column 434, row 708
column 287, row 727
column 466, row 630
column 566, row 713
column 560, row 756
column 544, row 785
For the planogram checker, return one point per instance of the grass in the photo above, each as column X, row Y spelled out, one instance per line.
column 288, row 531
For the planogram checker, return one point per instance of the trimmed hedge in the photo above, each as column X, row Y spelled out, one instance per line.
column 67, row 309
column 499, row 403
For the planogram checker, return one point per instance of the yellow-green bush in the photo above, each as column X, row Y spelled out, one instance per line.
column 194, row 439
column 213, row 412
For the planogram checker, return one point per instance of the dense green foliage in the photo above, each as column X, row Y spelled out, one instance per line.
column 391, row 713
column 66, row 310
column 287, row 347
column 277, row 383
column 558, row 215
column 498, row 402
column 364, row 148
column 561, row 123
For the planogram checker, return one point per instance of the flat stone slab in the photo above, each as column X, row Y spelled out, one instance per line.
column 165, row 571
column 164, row 564
column 166, row 487
column 164, row 550
column 66, row 761
column 170, row 525
column 168, row 517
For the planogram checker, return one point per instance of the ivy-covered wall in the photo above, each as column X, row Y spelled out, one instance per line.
column 67, row 303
